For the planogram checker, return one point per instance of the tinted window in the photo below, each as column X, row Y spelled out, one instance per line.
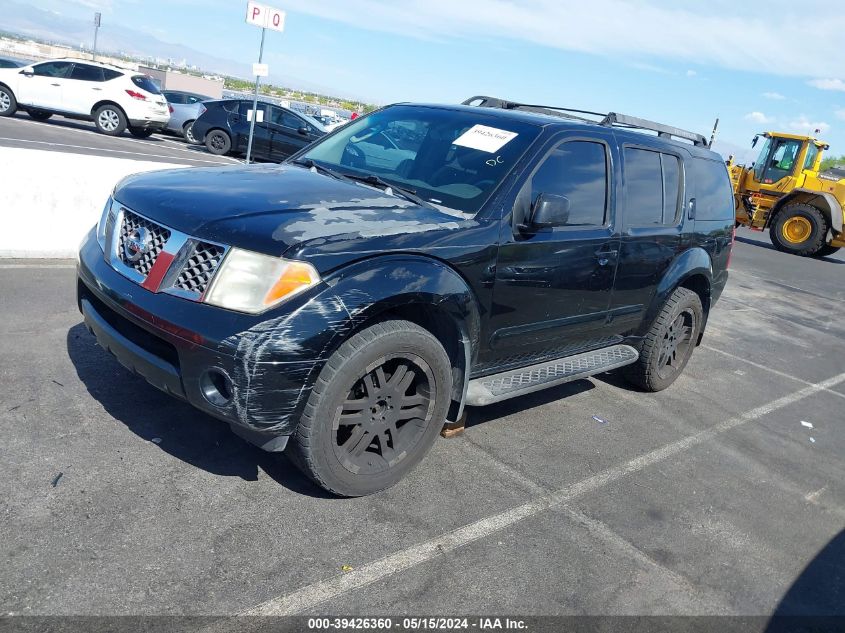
column 812, row 153
column 285, row 119
column 191, row 99
column 246, row 111
column 652, row 187
column 52, row 69
column 714, row 194
column 174, row 97
column 578, row 171
column 84, row 72
column 110, row 74
column 8, row 63
column 145, row 82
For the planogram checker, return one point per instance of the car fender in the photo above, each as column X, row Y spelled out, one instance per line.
column 311, row 327
column 692, row 262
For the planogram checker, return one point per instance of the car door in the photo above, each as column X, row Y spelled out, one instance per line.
column 553, row 284
column 83, row 88
column 287, row 136
column 652, row 229
column 240, row 124
column 44, row 85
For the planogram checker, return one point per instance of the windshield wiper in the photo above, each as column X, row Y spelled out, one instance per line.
column 408, row 194
column 311, row 164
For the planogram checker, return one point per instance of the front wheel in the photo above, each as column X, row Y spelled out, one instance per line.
column 800, row 229
column 375, row 409
column 139, row 132
column 218, row 142
column 669, row 343
column 8, row 103
column 110, row 120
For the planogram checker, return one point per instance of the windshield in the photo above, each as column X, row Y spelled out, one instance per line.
column 447, row 157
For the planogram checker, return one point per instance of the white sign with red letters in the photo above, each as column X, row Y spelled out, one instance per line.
column 264, row 16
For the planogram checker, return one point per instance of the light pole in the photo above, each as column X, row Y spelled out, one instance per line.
column 97, row 17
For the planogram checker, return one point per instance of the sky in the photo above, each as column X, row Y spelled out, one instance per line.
column 757, row 65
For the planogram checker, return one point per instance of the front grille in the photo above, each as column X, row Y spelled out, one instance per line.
column 199, row 268
column 159, row 236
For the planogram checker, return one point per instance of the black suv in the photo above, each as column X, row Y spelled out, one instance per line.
column 349, row 303
column 223, row 126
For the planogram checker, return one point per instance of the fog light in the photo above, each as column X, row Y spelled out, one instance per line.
column 216, row 387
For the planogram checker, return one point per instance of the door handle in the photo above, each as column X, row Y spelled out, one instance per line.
column 57, row 85
column 605, row 257
column 97, row 89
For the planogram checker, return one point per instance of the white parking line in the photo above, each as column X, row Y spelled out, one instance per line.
column 135, row 155
column 322, row 591
column 768, row 369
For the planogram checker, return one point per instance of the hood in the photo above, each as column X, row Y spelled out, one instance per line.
column 271, row 209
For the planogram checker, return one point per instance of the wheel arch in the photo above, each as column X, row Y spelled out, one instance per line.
column 106, row 102
column 693, row 270
column 821, row 200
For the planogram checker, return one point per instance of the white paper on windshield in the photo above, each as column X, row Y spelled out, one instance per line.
column 486, row 139
column 258, row 119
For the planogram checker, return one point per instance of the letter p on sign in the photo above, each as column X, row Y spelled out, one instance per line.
column 266, row 17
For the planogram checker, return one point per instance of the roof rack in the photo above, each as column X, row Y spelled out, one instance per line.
column 610, row 119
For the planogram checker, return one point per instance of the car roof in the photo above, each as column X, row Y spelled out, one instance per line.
column 551, row 121
column 90, row 62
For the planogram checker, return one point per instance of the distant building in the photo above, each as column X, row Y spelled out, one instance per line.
column 169, row 80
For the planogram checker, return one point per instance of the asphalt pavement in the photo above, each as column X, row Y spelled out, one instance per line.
column 80, row 137
column 713, row 497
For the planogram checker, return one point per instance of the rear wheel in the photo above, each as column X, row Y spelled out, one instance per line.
column 800, row 229
column 218, row 142
column 39, row 115
column 110, row 120
column 139, row 132
column 375, row 409
column 188, row 133
column 8, row 103
column 669, row 343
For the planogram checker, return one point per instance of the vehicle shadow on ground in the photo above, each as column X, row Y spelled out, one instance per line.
column 746, row 240
column 521, row 404
column 184, row 432
column 84, row 126
column 818, row 592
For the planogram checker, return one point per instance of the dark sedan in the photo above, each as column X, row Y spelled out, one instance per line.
column 224, row 128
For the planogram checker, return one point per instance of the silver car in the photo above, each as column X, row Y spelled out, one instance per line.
column 184, row 110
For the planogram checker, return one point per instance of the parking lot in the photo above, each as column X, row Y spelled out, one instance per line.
column 713, row 497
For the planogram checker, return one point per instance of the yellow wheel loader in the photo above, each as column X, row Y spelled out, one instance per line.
column 784, row 191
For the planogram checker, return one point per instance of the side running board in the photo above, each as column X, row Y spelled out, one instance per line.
column 516, row 382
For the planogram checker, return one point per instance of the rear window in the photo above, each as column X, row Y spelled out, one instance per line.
column 714, row 194
column 145, row 82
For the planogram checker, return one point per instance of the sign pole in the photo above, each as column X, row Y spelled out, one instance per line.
column 255, row 100
column 96, row 29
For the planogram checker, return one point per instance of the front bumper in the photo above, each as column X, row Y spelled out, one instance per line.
column 175, row 343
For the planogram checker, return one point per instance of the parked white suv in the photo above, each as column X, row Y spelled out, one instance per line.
column 114, row 98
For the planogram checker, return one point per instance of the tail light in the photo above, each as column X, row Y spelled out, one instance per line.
column 170, row 107
column 136, row 95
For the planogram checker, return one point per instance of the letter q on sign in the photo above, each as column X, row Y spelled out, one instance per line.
column 265, row 16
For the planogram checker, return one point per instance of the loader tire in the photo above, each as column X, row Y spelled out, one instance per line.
column 799, row 229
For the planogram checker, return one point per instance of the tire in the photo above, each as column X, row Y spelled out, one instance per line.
column 8, row 103
column 39, row 115
column 218, row 142
column 669, row 343
column 139, row 132
column 110, row 120
column 188, row 133
column 362, row 383
column 799, row 229
column 826, row 250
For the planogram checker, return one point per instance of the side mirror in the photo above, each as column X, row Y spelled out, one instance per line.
column 550, row 210
column 27, row 73
column 754, row 141
column 303, row 131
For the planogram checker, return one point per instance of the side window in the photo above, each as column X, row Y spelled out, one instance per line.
column 285, row 119
column 192, row 99
column 652, row 187
column 246, row 111
column 782, row 162
column 812, row 154
column 174, row 97
column 84, row 72
column 109, row 74
column 58, row 70
column 576, row 170
column 714, row 194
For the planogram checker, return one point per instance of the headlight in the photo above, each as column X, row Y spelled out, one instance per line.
column 251, row 282
column 102, row 225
